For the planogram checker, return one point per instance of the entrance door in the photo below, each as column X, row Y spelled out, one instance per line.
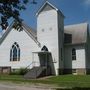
column 43, row 60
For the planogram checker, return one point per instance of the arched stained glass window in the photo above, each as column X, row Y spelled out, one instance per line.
column 44, row 48
column 15, row 52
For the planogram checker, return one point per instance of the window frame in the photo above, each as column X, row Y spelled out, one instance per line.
column 73, row 54
column 14, row 47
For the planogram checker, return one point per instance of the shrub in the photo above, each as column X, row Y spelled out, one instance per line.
column 20, row 71
column 23, row 71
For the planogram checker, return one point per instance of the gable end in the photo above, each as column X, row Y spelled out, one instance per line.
column 45, row 7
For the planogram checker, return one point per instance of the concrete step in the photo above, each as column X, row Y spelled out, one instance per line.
column 35, row 72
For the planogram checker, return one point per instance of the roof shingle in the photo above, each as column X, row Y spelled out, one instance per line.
column 78, row 32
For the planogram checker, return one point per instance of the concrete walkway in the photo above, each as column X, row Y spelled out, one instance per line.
column 10, row 86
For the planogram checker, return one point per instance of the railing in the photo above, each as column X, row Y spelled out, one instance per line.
column 33, row 64
column 37, row 70
column 29, row 65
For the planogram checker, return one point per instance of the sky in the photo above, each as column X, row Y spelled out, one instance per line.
column 75, row 11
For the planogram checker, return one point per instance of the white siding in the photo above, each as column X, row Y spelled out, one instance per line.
column 80, row 61
column 27, row 45
column 47, row 20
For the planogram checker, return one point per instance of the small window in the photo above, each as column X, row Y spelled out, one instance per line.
column 44, row 48
column 73, row 54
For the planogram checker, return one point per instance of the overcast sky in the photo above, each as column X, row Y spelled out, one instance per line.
column 75, row 11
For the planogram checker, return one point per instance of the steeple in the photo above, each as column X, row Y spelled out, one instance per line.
column 50, row 25
column 46, row 7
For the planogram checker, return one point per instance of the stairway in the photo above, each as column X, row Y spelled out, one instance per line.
column 35, row 72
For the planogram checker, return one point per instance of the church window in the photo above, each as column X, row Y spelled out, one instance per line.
column 73, row 54
column 44, row 48
column 15, row 52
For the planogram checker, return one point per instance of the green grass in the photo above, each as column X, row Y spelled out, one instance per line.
column 71, row 80
column 63, row 80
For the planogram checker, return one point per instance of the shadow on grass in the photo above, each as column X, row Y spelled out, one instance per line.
column 75, row 88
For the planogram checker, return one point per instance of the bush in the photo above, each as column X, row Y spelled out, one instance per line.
column 20, row 71
column 23, row 71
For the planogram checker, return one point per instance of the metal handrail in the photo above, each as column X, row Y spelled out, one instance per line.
column 33, row 64
column 30, row 65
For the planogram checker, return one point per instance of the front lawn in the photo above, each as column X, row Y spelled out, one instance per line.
column 62, row 81
column 71, row 80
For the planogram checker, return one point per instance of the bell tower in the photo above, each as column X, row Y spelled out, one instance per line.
column 50, row 25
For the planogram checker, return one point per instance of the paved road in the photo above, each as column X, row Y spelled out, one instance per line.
column 8, row 86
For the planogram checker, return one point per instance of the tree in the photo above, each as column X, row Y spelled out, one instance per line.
column 11, row 8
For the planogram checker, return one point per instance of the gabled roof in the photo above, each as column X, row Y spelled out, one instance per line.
column 26, row 28
column 6, row 33
column 78, row 33
column 30, row 30
column 31, row 33
column 46, row 6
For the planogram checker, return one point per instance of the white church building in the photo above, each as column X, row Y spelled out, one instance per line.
column 54, row 47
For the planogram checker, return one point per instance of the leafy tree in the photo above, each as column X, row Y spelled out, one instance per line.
column 11, row 8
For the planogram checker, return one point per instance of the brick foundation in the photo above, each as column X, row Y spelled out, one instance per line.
column 79, row 71
column 5, row 70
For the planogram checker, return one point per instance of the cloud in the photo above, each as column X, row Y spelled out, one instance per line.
column 87, row 2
